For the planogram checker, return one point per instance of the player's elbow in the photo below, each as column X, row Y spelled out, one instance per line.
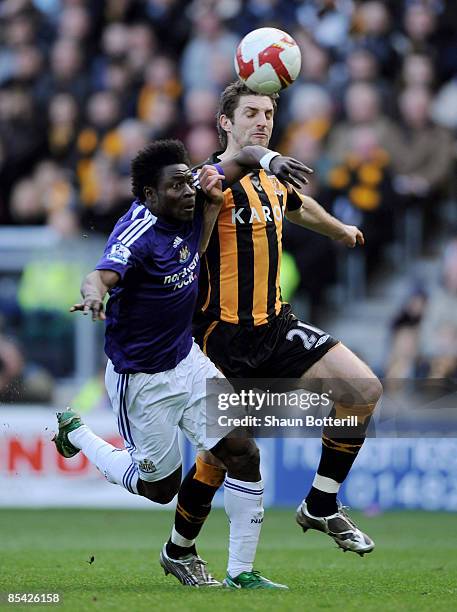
column 295, row 216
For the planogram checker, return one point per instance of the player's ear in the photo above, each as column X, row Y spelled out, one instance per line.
column 150, row 194
column 225, row 123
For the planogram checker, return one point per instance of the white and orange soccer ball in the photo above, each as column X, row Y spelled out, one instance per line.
column 267, row 60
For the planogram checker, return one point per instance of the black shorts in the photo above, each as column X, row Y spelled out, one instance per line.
column 283, row 348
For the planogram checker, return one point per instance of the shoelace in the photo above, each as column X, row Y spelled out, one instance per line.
column 198, row 568
column 343, row 511
column 256, row 575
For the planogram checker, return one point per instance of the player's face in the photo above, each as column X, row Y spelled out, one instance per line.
column 176, row 193
column 252, row 121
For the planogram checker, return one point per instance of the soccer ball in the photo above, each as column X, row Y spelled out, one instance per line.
column 267, row 60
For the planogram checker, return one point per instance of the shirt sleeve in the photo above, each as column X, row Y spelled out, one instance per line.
column 294, row 200
column 123, row 250
column 196, row 171
column 200, row 200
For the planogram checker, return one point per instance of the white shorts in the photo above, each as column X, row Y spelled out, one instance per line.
column 151, row 407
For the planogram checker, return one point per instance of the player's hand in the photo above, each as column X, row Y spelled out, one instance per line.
column 351, row 236
column 211, row 183
column 90, row 304
column 290, row 170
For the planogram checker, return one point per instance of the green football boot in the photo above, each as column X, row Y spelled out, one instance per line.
column 68, row 420
column 251, row 580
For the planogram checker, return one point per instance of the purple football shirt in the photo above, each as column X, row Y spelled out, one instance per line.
column 149, row 312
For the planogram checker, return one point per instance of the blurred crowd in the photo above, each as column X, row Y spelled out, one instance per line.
column 84, row 84
column 424, row 331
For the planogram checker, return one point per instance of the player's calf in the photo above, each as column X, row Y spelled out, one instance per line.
column 243, row 500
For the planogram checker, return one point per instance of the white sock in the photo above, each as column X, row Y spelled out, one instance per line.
column 180, row 540
column 325, row 484
column 244, row 507
column 115, row 464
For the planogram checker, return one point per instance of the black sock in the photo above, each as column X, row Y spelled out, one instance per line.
column 320, row 503
column 337, row 457
column 194, row 505
column 176, row 552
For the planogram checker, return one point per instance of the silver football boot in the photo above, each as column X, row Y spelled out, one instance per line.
column 189, row 570
column 338, row 526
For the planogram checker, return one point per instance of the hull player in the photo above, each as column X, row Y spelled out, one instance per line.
column 246, row 330
column 156, row 375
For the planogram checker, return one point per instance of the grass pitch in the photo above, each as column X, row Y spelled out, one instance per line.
column 414, row 566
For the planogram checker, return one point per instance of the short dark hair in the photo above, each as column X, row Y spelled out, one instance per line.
column 229, row 101
column 150, row 161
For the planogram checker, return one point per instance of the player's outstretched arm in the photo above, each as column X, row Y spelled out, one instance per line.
column 312, row 216
column 252, row 157
column 93, row 290
column 211, row 183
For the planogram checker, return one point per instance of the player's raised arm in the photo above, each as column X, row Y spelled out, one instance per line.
column 211, row 183
column 312, row 216
column 93, row 290
column 252, row 157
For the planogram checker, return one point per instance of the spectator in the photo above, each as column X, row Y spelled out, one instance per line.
column 21, row 138
column 373, row 30
column 200, row 107
column 18, row 382
column 423, row 170
column 114, row 47
column 170, row 22
column 63, row 118
column 142, row 45
column 26, row 205
column 201, row 141
column 74, row 24
column 361, row 189
column 67, row 73
column 310, row 113
column 420, row 26
column 418, row 71
column 363, row 108
column 404, row 341
column 160, row 80
column 207, row 58
column 328, row 21
column 363, row 66
column 438, row 330
column 161, row 119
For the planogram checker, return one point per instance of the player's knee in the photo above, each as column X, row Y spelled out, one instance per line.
column 246, row 464
column 371, row 392
column 164, row 497
column 157, row 492
column 360, row 392
column 161, row 491
column 361, row 401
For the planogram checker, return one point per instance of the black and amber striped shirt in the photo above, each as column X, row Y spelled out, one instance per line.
column 240, row 272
